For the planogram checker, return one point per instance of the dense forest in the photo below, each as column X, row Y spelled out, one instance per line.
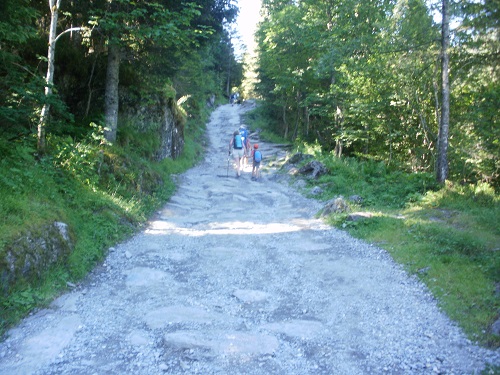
column 66, row 64
column 362, row 79
column 365, row 79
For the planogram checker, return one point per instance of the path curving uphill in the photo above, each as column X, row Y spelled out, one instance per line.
column 237, row 277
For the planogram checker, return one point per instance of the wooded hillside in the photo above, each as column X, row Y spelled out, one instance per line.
column 65, row 65
column 362, row 79
column 365, row 79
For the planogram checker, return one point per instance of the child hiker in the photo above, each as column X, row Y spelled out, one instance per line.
column 256, row 157
column 237, row 147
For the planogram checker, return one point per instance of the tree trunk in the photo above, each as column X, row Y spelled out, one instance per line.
column 111, row 96
column 308, row 122
column 296, row 130
column 49, row 80
column 285, row 124
column 442, row 160
column 338, row 148
column 89, row 99
column 228, row 82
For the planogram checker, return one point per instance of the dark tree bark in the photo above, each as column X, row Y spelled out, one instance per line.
column 285, row 123
column 296, row 130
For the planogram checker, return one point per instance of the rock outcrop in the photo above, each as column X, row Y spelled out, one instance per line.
column 33, row 253
column 161, row 115
column 335, row 206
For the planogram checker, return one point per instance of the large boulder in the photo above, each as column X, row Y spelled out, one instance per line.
column 335, row 206
column 357, row 199
column 171, row 131
column 30, row 255
column 298, row 157
column 314, row 169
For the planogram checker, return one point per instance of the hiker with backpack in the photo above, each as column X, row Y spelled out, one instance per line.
column 237, row 147
column 257, row 158
column 246, row 141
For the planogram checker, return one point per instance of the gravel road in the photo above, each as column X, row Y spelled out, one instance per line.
column 235, row 276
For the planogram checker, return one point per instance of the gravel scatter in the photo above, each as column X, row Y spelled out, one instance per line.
column 235, row 276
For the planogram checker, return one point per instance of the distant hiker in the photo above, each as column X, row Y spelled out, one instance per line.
column 234, row 98
column 237, row 147
column 246, row 141
column 257, row 158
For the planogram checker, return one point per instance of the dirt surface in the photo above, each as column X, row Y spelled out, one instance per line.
column 235, row 276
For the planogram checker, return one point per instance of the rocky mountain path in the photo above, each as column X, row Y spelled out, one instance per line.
column 235, row 276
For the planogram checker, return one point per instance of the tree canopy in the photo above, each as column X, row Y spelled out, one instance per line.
column 360, row 78
column 364, row 79
column 108, row 51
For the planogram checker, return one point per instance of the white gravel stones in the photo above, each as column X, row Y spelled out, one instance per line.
column 251, row 296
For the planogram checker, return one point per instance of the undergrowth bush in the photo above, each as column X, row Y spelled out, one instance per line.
column 378, row 185
column 131, row 138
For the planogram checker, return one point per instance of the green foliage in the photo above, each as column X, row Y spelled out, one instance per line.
column 19, row 174
column 81, row 160
column 379, row 185
column 363, row 80
column 15, row 19
column 130, row 137
column 261, row 119
column 138, row 24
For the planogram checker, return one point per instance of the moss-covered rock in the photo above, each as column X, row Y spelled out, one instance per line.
column 32, row 253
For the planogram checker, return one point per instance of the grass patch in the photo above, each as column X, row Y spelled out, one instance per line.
column 448, row 236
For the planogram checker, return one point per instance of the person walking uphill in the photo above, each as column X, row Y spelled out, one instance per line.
column 246, row 142
column 238, row 148
column 257, row 158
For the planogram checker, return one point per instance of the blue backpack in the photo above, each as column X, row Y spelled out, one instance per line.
column 257, row 156
column 243, row 133
column 237, row 144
